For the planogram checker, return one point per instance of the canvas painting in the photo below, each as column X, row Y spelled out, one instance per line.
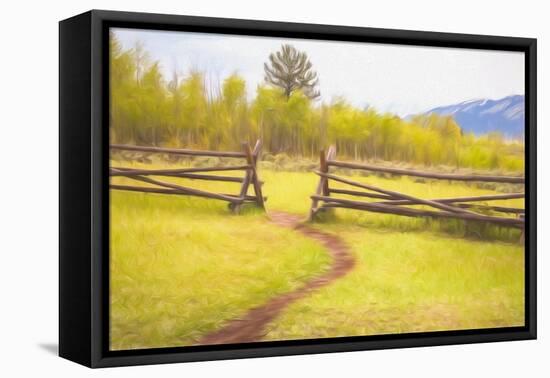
column 270, row 189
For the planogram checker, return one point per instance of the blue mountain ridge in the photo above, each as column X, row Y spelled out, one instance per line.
column 506, row 115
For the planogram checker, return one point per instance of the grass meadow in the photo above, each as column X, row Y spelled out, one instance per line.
column 181, row 267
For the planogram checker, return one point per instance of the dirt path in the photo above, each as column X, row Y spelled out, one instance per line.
column 251, row 327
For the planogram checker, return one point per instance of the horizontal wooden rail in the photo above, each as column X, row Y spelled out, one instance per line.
column 393, row 202
column 489, row 197
column 146, row 189
column 429, row 175
column 458, row 202
column 177, row 151
column 195, row 173
column 119, row 171
column 358, row 193
column 351, row 204
column 393, row 194
column 188, row 191
column 193, row 176
column 500, row 209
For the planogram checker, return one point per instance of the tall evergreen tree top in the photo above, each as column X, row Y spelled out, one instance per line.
column 291, row 70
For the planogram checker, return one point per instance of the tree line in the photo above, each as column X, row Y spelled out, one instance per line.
column 187, row 111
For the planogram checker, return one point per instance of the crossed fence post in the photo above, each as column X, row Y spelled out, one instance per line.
column 251, row 177
column 322, row 188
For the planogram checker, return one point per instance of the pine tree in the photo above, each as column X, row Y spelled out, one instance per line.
column 290, row 70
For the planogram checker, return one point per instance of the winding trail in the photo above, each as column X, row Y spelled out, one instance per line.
column 251, row 326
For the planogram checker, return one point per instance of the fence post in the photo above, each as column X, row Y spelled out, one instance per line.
column 251, row 158
column 324, row 168
column 522, row 235
column 322, row 187
column 256, row 156
column 236, row 207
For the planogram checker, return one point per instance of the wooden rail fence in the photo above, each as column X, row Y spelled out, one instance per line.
column 392, row 202
column 248, row 164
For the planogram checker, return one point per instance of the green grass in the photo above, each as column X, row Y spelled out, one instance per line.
column 417, row 282
column 412, row 274
column 182, row 266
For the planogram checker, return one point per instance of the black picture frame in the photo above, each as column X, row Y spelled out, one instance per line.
column 84, row 199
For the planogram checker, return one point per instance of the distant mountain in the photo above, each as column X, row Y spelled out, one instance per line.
column 506, row 115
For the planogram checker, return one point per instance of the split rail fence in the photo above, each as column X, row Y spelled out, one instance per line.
column 248, row 164
column 392, row 202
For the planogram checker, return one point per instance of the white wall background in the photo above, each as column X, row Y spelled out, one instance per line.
column 28, row 190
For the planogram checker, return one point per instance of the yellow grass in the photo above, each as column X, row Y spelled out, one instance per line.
column 182, row 266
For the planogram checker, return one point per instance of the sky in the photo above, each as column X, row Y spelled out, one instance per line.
column 392, row 78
